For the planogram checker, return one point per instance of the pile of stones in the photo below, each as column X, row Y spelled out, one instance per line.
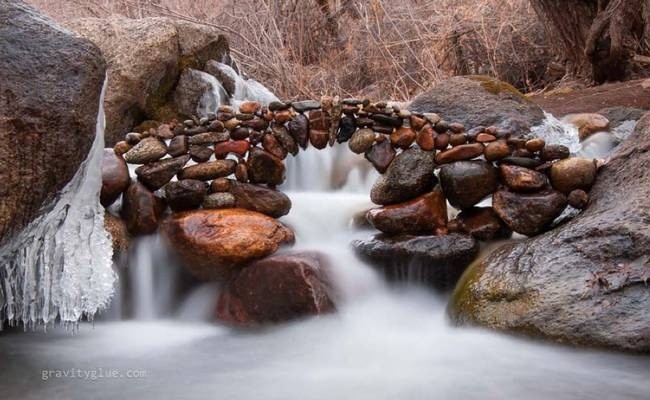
column 531, row 182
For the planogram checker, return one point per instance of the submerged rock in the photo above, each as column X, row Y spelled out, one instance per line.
column 435, row 260
column 215, row 243
column 587, row 123
column 408, row 176
column 586, row 281
column 279, row 288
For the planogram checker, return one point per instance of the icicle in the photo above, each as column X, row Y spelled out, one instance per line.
column 59, row 266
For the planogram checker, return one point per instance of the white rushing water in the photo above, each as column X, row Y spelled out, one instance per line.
column 59, row 266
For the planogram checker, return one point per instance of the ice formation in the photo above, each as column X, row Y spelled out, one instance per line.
column 59, row 266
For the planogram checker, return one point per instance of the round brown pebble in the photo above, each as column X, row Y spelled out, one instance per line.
column 496, row 150
column 485, row 138
column 578, row 198
column 121, row 147
column 536, row 144
column 456, row 139
column 442, row 141
column 220, row 185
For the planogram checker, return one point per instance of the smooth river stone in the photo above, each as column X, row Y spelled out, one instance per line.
column 200, row 153
column 424, row 214
column 285, row 139
column 522, row 179
column 209, row 170
column 185, row 194
column 319, row 138
column 426, row 138
column 381, row 155
column 264, row 167
column 362, row 140
column 483, row 223
column 403, row 137
column 259, row 198
column 141, row 209
column 156, row 174
column 408, row 176
column 178, row 146
column 271, row 144
column 115, row 177
column 573, row 173
column 298, row 128
column 146, row 151
column 496, row 150
column 528, row 214
column 466, row 183
column 459, row 153
column 239, row 147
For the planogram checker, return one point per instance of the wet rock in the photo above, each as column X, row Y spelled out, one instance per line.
column 121, row 147
column 214, row 244
column 220, row 185
column 115, row 177
column 485, row 138
column 417, row 122
column 208, row 138
column 479, row 100
column 387, row 120
column 408, row 176
column 426, row 138
column 552, row 152
column 424, row 214
column 119, row 234
column 618, row 115
column 239, row 147
column 578, row 199
column 347, row 126
column 241, row 172
column 209, row 170
column 258, row 198
column 402, row 138
column 496, row 150
column 197, row 93
column 583, row 283
column 133, row 138
column 381, row 155
column 466, row 183
column 587, row 123
column 286, row 141
column 156, row 174
column 249, row 107
column 164, row 132
column 319, row 120
column 535, row 145
column 219, row 200
column 573, row 173
column 200, row 153
column 528, row 214
column 178, row 146
column 457, row 139
column 264, row 167
column 436, row 260
column 298, row 128
column 524, row 162
column 319, row 139
column 279, row 288
column 141, row 209
column 186, row 194
column 482, row 223
column 146, row 151
column 459, row 153
column 522, row 179
column 361, row 141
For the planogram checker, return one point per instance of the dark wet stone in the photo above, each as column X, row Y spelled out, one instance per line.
column 347, row 127
column 264, row 167
column 200, row 153
column 156, row 174
column 186, row 194
column 435, row 260
column 466, row 183
column 425, row 214
column 483, row 223
column 298, row 128
column 387, row 120
column 524, row 162
column 408, row 176
column 115, row 177
column 528, row 214
column 141, row 210
column 305, row 105
column 381, row 155
column 259, row 198
column 209, row 170
column 179, row 145
column 522, row 179
column 146, row 151
column 285, row 139
column 554, row 152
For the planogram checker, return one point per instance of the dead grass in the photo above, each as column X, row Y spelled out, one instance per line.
column 372, row 48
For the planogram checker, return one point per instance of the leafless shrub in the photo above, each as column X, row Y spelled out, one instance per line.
column 373, row 48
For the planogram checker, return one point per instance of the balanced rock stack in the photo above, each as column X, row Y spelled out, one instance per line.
column 218, row 177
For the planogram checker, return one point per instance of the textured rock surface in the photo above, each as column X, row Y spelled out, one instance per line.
column 281, row 287
column 408, row 176
column 465, row 183
column 528, row 213
column 435, row 260
column 48, row 111
column 261, row 199
column 141, row 209
column 145, row 57
column 479, row 100
column 214, row 244
column 424, row 214
column 115, row 177
column 584, row 282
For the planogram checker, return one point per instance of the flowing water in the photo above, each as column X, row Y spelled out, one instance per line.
column 158, row 339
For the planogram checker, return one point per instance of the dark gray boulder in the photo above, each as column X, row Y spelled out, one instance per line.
column 408, row 176
column 50, row 84
column 476, row 100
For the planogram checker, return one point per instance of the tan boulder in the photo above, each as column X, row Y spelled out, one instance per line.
column 213, row 244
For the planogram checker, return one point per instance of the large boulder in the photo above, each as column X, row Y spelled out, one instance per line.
column 408, row 176
column 281, row 287
column 476, row 100
column 50, row 84
column 584, row 282
column 438, row 261
column 215, row 243
column 145, row 58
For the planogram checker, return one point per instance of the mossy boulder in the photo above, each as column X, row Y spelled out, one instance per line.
column 145, row 58
column 585, row 282
column 477, row 100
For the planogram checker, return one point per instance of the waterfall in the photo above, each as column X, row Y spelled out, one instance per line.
column 60, row 264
